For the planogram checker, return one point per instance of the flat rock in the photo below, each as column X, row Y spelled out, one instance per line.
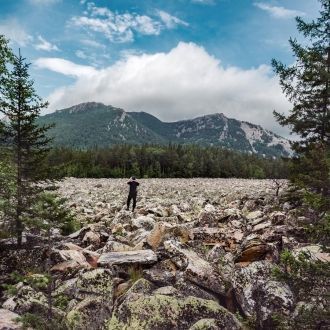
column 127, row 257
column 7, row 320
column 261, row 226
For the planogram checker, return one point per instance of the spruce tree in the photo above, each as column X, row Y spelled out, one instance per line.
column 306, row 83
column 26, row 141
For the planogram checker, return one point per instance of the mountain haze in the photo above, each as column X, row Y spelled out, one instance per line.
column 95, row 124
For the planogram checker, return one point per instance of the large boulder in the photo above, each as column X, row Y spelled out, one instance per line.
column 90, row 313
column 260, row 296
column 196, row 269
column 158, row 311
column 29, row 300
column 67, row 260
column 97, row 282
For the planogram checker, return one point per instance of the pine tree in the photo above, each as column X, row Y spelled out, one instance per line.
column 28, row 144
column 307, row 86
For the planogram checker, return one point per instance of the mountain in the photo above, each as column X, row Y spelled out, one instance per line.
column 95, row 124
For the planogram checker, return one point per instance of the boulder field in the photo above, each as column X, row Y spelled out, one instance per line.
column 195, row 254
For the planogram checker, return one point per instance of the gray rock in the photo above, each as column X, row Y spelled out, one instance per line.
column 127, row 257
column 196, row 269
column 260, row 296
column 7, row 320
column 254, row 215
column 157, row 311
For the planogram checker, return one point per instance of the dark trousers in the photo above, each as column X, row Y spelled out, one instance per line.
column 131, row 196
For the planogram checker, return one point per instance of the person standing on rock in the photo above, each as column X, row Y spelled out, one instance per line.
column 133, row 184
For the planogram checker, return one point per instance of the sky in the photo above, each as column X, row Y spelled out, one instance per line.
column 176, row 59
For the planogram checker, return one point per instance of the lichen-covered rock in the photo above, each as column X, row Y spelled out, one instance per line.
column 254, row 215
column 158, row 312
column 163, row 273
column 166, row 290
column 196, row 269
column 29, row 300
column 145, row 222
column 206, row 324
column 275, row 297
column 259, row 295
column 314, row 252
column 97, row 282
column 246, row 279
column 90, row 313
column 25, row 300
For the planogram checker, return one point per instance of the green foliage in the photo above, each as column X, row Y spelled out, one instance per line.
column 36, row 322
column 7, row 193
column 302, row 273
column 10, row 289
column 135, row 273
column 308, row 278
column 61, row 301
column 23, row 140
column 91, row 125
column 151, row 161
column 306, row 83
column 50, row 211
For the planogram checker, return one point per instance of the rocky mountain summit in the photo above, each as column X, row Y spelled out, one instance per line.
column 95, row 124
column 195, row 254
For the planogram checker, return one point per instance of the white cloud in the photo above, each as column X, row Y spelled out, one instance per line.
column 279, row 12
column 45, row 45
column 183, row 83
column 65, row 67
column 44, row 2
column 81, row 54
column 92, row 43
column 15, row 32
column 169, row 20
column 204, row 2
column 114, row 26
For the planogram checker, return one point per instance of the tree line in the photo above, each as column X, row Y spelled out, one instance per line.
column 158, row 161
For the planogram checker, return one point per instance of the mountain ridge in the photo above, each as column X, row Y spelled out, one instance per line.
column 93, row 124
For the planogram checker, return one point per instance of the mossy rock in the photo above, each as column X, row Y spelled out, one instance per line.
column 91, row 313
column 143, row 312
column 97, row 282
column 206, row 324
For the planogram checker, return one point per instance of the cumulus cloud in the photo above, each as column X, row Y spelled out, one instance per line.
column 169, row 20
column 279, row 12
column 45, row 45
column 184, row 83
column 15, row 32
